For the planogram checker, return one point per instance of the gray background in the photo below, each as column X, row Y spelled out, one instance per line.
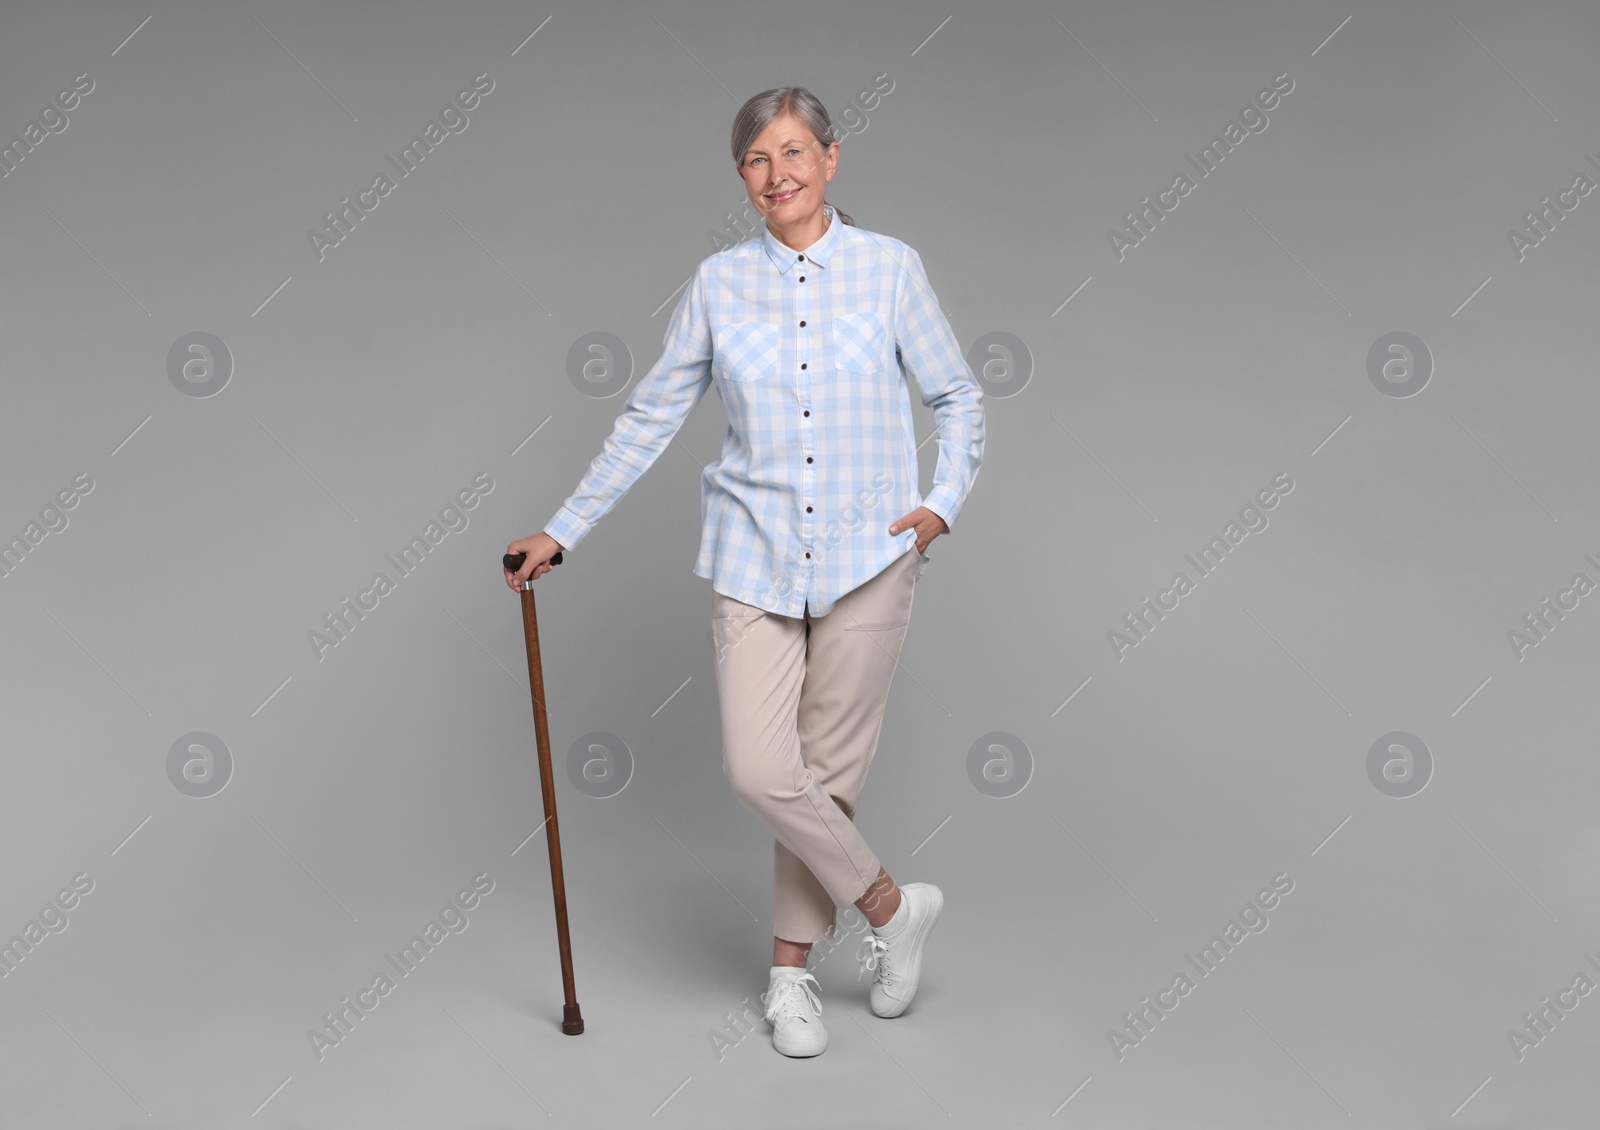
column 1231, row 745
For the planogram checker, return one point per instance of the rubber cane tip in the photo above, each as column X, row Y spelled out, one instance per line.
column 572, row 1020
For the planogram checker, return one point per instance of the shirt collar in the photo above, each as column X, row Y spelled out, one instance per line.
column 783, row 256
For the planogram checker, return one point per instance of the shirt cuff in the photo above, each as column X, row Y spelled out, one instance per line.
column 567, row 528
column 943, row 502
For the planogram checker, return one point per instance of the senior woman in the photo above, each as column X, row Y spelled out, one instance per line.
column 814, row 531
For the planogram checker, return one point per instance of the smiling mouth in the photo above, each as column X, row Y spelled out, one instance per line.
column 784, row 197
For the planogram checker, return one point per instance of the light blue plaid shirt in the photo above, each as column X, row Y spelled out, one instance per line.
column 806, row 350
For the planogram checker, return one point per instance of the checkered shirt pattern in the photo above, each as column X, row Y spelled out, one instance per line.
column 809, row 351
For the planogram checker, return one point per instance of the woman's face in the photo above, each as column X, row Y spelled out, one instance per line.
column 786, row 171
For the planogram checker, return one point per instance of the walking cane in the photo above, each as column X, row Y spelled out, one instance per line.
column 571, row 1017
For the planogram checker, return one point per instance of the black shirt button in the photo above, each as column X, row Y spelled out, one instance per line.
column 808, row 458
column 802, row 321
column 802, row 278
column 808, row 509
column 808, row 412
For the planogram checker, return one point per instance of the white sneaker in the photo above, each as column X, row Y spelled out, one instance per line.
column 795, row 1012
column 898, row 960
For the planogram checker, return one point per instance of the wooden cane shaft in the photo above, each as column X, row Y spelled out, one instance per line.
column 572, row 1017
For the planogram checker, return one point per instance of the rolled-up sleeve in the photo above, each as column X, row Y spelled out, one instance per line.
column 932, row 357
column 651, row 416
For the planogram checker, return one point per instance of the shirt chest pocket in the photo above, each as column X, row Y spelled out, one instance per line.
column 745, row 351
column 860, row 342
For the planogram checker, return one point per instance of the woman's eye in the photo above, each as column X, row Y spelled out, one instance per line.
column 754, row 160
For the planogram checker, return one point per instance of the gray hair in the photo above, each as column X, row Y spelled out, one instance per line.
column 761, row 110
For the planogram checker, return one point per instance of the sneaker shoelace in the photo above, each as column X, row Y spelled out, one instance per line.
column 787, row 997
column 874, row 955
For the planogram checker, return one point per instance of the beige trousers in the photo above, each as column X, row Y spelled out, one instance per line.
column 802, row 703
